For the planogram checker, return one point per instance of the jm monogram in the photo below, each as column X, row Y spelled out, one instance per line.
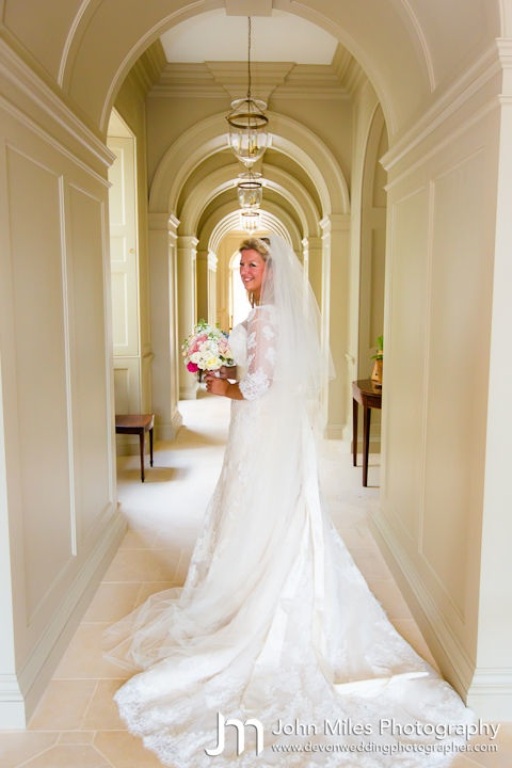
column 222, row 722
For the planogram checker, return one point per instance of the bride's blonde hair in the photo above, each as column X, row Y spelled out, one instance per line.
column 262, row 246
column 259, row 244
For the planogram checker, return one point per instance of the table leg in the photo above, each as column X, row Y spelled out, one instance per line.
column 141, row 439
column 366, row 443
column 151, row 446
column 354, row 432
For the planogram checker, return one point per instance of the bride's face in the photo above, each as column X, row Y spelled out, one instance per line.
column 252, row 271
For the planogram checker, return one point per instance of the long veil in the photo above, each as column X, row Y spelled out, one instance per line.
column 302, row 364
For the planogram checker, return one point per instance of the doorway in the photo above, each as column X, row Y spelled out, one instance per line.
column 124, row 264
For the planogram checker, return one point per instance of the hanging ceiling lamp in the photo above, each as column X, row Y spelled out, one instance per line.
column 248, row 135
column 250, row 190
column 249, row 220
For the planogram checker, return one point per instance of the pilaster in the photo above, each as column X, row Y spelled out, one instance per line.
column 187, row 304
column 163, row 319
column 336, row 319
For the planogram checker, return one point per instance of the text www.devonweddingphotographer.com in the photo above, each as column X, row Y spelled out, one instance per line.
column 441, row 734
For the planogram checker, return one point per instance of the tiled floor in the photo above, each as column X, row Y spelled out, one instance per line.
column 76, row 724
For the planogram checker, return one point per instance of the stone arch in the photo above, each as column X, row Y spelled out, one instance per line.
column 395, row 80
column 288, row 136
column 227, row 220
column 224, row 179
column 407, row 50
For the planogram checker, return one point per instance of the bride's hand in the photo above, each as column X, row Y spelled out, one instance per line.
column 226, row 372
column 215, row 383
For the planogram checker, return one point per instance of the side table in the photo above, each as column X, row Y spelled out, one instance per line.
column 138, row 424
column 367, row 394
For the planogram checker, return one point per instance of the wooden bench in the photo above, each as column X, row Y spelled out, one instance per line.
column 138, row 424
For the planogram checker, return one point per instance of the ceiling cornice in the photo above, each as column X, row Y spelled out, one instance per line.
column 279, row 79
column 192, row 80
column 265, row 77
column 348, row 71
column 147, row 70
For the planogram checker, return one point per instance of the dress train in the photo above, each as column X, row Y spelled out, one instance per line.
column 275, row 625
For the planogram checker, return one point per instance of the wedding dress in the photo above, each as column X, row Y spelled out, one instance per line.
column 275, row 652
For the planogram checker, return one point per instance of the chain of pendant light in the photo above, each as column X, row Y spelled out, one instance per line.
column 248, row 138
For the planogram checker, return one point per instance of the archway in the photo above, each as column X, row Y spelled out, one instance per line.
column 309, row 194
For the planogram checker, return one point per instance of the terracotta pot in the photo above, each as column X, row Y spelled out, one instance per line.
column 377, row 373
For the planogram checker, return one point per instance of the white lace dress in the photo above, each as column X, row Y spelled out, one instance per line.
column 275, row 623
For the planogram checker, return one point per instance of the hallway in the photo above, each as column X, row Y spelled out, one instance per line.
column 388, row 169
column 76, row 724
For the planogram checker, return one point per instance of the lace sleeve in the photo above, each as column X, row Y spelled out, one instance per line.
column 261, row 353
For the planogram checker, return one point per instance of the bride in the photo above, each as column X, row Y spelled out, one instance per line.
column 275, row 652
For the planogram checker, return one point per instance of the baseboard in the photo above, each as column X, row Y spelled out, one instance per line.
column 189, row 391
column 177, row 422
column 490, row 694
column 451, row 657
column 334, row 432
column 168, row 431
column 373, row 446
column 12, row 704
column 20, row 694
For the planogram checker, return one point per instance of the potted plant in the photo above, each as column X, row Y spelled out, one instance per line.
column 377, row 371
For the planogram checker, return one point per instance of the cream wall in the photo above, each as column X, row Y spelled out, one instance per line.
column 227, row 248
column 441, row 238
column 330, row 118
column 58, row 509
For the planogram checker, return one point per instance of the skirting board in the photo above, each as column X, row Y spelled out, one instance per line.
column 442, row 644
column 488, row 691
column 19, row 695
column 490, row 694
column 167, row 432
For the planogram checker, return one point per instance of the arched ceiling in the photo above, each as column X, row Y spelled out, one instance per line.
column 407, row 48
column 209, row 192
column 196, row 177
column 226, row 221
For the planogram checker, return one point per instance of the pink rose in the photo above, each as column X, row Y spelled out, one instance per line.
column 192, row 367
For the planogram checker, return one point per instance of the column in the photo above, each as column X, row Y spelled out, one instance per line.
column 187, row 303
column 335, row 306
column 163, row 320
column 313, row 249
column 212, row 288
column 202, row 299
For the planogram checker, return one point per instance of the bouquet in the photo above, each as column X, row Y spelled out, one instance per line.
column 206, row 349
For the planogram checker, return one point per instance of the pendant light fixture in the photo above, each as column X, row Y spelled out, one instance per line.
column 250, row 190
column 248, row 135
column 249, row 220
